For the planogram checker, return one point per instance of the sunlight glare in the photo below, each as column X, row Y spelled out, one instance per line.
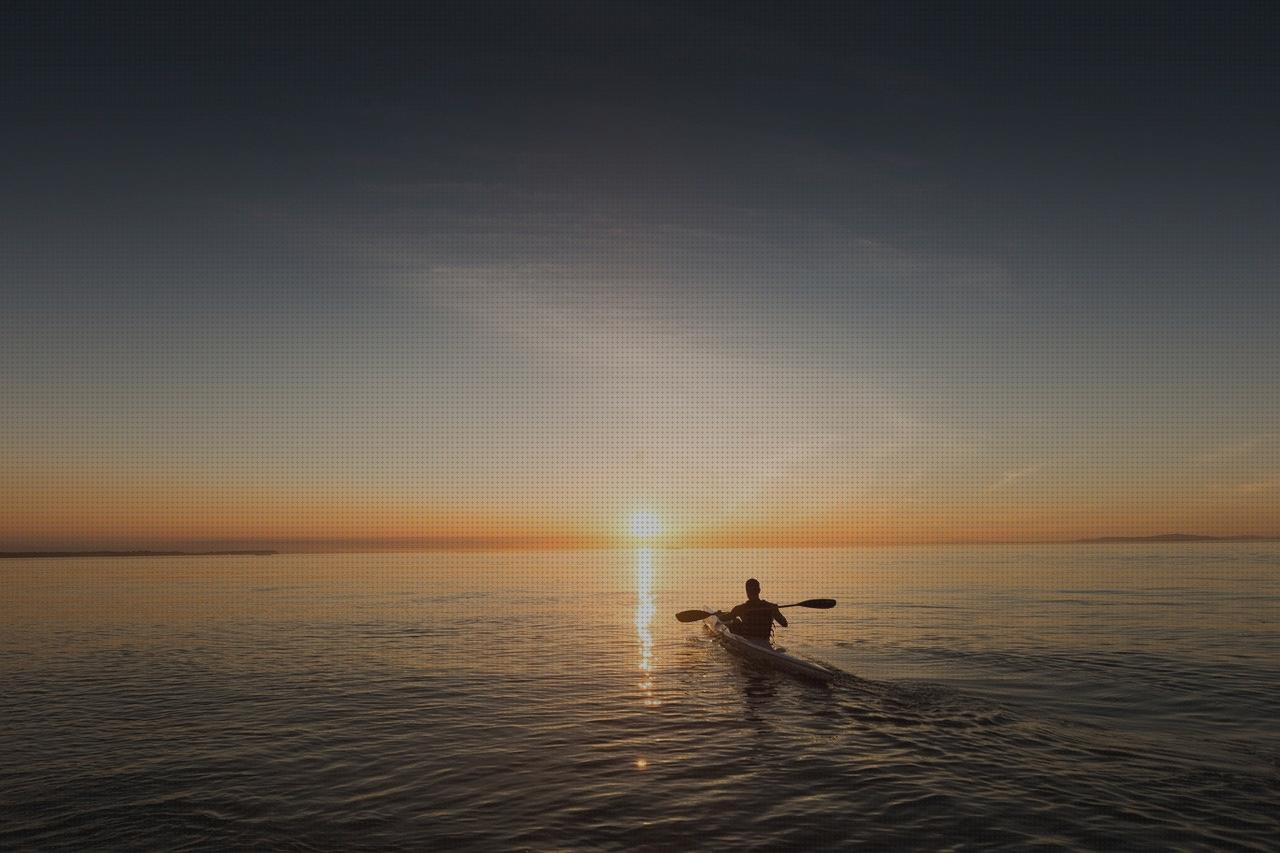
column 645, row 525
column 645, row 609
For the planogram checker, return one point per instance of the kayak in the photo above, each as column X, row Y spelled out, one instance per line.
column 762, row 651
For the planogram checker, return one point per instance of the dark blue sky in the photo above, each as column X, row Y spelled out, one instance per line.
column 1128, row 146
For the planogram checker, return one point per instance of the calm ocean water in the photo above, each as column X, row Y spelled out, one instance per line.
column 1005, row 696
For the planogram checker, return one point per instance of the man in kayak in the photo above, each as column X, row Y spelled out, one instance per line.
column 754, row 618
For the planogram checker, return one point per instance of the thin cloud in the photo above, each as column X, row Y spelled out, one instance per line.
column 1011, row 477
column 731, row 428
column 1260, row 486
column 1236, row 449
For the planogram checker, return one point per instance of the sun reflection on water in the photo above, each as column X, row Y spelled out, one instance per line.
column 645, row 609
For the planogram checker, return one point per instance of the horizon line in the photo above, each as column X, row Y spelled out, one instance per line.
column 475, row 544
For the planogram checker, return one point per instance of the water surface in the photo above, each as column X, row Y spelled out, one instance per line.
column 1004, row 696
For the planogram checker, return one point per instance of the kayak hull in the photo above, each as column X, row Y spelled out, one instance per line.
column 763, row 652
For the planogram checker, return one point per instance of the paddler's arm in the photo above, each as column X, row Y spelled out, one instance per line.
column 730, row 617
column 778, row 617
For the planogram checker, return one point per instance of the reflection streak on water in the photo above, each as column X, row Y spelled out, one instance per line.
column 645, row 609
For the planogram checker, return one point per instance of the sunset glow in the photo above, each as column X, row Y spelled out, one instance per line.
column 799, row 331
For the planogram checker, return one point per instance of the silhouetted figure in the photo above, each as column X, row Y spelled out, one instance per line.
column 754, row 617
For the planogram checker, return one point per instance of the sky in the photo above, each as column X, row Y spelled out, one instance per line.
column 510, row 274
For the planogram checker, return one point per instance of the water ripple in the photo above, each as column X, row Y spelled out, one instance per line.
column 445, row 710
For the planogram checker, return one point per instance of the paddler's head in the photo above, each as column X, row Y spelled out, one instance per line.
column 753, row 589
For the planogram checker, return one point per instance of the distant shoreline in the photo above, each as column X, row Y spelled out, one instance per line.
column 472, row 546
column 32, row 554
column 1173, row 537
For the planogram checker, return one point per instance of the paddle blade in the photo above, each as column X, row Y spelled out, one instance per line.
column 692, row 615
column 818, row 603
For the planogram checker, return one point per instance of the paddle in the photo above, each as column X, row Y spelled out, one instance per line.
column 815, row 603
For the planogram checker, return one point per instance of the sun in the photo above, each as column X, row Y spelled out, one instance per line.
column 645, row 525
